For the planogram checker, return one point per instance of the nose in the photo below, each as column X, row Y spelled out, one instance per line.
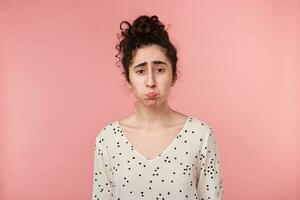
column 150, row 82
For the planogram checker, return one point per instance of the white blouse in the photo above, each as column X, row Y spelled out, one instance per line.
column 188, row 168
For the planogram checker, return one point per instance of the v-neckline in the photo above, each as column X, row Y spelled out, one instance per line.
column 185, row 125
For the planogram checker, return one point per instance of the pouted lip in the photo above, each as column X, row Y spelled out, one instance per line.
column 151, row 94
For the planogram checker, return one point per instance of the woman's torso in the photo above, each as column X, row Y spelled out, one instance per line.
column 172, row 171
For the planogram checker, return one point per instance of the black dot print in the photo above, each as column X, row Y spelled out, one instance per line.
column 188, row 169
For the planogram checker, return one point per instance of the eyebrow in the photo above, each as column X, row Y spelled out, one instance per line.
column 156, row 62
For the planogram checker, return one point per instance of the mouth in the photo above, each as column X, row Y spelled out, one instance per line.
column 152, row 95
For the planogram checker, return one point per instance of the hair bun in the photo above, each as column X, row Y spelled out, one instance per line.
column 145, row 25
column 142, row 26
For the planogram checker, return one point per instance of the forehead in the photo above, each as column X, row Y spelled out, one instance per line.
column 148, row 54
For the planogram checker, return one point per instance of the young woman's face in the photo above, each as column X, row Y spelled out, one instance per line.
column 150, row 72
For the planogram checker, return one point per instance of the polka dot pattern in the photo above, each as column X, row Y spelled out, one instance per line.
column 189, row 168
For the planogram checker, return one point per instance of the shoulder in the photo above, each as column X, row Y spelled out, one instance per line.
column 200, row 128
column 106, row 130
column 199, row 124
column 206, row 132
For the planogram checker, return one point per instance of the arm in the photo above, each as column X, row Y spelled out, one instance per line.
column 210, row 182
column 102, row 189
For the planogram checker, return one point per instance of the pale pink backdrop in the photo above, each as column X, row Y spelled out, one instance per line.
column 239, row 72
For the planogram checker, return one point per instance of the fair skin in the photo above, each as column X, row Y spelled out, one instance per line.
column 154, row 124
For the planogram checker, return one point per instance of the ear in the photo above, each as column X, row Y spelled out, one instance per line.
column 172, row 83
column 129, row 86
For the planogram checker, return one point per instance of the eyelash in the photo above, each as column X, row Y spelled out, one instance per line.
column 157, row 68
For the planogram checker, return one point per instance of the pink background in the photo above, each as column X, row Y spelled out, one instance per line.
column 239, row 72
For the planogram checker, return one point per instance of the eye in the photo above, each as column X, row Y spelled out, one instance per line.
column 140, row 70
column 160, row 69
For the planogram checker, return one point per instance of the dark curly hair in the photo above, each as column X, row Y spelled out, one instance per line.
column 144, row 31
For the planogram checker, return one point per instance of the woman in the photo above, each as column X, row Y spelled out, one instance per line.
column 156, row 153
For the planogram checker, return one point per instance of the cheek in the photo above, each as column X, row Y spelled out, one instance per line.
column 137, row 85
column 165, row 85
column 166, row 81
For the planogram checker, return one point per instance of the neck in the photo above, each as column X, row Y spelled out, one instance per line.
column 150, row 116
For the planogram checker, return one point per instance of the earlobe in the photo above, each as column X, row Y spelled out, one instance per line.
column 173, row 83
column 129, row 87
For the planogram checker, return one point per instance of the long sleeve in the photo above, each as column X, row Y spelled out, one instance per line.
column 210, row 183
column 102, row 189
